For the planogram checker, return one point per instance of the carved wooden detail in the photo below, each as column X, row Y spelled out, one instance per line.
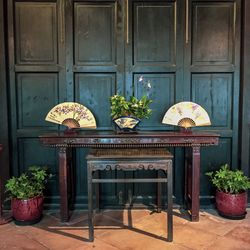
column 62, row 150
column 131, row 166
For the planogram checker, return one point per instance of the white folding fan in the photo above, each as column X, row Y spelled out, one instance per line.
column 72, row 115
column 186, row 114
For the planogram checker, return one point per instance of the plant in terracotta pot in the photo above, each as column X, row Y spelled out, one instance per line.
column 26, row 194
column 127, row 114
column 231, row 192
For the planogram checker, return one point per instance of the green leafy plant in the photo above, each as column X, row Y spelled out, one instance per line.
column 138, row 108
column 29, row 184
column 229, row 181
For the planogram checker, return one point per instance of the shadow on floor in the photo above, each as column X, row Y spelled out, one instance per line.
column 104, row 220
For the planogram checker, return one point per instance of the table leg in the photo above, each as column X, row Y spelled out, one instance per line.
column 90, row 204
column 71, row 176
column 170, row 203
column 192, row 178
column 97, row 191
column 159, row 194
column 63, row 184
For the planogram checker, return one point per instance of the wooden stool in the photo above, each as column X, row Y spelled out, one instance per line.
column 130, row 160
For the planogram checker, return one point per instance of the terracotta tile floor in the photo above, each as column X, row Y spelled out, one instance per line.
column 123, row 229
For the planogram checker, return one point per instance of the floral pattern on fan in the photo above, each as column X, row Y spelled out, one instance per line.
column 186, row 114
column 72, row 115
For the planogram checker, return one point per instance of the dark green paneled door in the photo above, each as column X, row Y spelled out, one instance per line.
column 154, row 67
column 96, row 63
column 86, row 51
column 212, row 65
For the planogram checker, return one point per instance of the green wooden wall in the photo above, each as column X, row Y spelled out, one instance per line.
column 86, row 51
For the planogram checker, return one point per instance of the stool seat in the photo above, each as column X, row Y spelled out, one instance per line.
column 130, row 160
column 129, row 153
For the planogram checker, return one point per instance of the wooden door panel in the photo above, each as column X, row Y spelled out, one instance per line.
column 37, row 94
column 94, row 33
column 35, row 33
column 153, row 45
column 212, row 71
column 154, row 52
column 213, row 33
column 160, row 88
column 36, row 81
column 31, row 152
column 88, row 50
column 97, row 73
column 108, row 192
column 94, row 91
column 211, row 159
column 81, row 177
column 214, row 93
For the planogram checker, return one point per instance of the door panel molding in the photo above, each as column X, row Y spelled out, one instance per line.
column 36, row 43
column 212, row 33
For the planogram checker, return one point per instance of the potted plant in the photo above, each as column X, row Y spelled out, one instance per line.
column 231, row 192
column 127, row 114
column 26, row 194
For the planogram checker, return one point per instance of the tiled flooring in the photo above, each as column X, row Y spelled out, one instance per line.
column 129, row 230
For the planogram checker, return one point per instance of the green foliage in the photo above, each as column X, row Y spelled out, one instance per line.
column 138, row 108
column 229, row 181
column 29, row 184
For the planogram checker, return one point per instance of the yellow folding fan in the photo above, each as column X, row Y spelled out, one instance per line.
column 186, row 114
column 72, row 115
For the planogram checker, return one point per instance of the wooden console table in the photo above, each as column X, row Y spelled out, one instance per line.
column 143, row 139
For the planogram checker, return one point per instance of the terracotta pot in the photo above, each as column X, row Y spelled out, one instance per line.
column 231, row 206
column 27, row 212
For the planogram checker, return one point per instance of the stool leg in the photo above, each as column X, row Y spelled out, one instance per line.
column 90, row 204
column 159, row 194
column 170, row 204
column 97, row 191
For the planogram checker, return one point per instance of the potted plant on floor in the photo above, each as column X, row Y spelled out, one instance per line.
column 231, row 192
column 127, row 114
column 26, row 194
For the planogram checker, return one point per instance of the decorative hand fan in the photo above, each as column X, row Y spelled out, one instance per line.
column 186, row 114
column 72, row 115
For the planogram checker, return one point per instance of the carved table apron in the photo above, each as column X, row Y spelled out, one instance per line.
column 143, row 139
